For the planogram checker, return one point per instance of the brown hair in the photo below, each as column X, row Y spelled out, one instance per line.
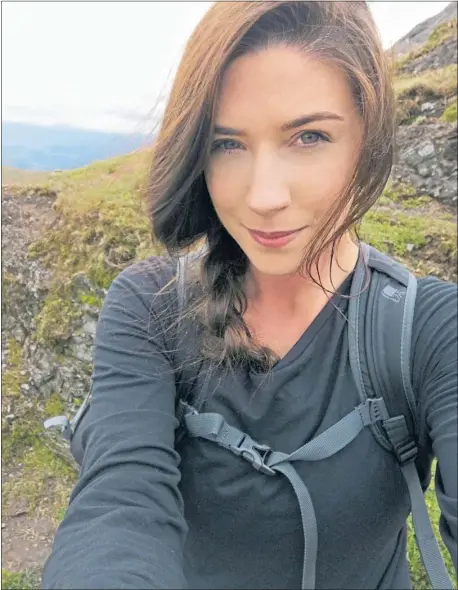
column 180, row 207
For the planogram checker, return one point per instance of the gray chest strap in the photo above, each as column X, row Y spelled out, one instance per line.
column 214, row 428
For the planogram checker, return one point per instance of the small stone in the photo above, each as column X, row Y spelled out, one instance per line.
column 22, row 373
column 3, row 525
column 25, row 387
column 423, row 170
column 427, row 106
column 410, row 247
column 427, row 150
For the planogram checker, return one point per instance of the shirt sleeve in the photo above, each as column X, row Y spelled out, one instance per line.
column 124, row 527
column 436, row 378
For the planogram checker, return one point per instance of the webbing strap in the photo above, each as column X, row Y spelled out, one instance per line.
column 309, row 526
column 396, row 429
column 213, row 427
column 424, row 534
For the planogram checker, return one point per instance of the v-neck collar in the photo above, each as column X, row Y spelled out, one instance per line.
column 306, row 339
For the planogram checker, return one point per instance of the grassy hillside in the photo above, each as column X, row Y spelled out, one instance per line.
column 15, row 176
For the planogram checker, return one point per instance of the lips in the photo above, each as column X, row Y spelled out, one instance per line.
column 274, row 239
column 274, row 234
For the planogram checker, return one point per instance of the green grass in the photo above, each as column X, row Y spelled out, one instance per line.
column 430, row 83
column 20, row 580
column 11, row 376
column 102, row 226
column 450, row 114
column 392, row 232
column 404, row 195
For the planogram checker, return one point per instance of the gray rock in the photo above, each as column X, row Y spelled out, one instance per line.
column 428, row 164
column 427, row 106
column 423, row 170
column 427, row 150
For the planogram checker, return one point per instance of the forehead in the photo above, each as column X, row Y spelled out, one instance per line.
column 279, row 83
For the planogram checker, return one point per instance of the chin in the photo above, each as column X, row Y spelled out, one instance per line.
column 275, row 266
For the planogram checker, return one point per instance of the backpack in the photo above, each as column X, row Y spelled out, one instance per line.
column 379, row 353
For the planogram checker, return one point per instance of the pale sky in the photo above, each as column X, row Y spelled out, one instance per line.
column 105, row 65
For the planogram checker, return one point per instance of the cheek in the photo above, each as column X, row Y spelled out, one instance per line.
column 226, row 183
column 321, row 179
column 316, row 186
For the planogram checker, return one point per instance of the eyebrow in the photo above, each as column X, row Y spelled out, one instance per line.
column 298, row 122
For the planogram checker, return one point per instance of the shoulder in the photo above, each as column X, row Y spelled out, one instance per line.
column 434, row 331
column 141, row 303
column 147, row 284
column 436, row 305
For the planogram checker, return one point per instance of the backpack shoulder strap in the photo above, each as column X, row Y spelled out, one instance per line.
column 186, row 368
column 379, row 335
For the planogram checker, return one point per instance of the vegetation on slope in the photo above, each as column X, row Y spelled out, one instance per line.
column 430, row 85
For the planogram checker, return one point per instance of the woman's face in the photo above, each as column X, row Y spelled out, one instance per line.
column 286, row 138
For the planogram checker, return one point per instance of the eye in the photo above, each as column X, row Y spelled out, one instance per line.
column 225, row 145
column 311, row 138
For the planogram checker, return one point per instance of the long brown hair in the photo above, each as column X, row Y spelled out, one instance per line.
column 179, row 203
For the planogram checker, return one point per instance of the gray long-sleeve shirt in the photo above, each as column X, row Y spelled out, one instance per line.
column 148, row 514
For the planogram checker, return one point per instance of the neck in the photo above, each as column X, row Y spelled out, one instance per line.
column 289, row 292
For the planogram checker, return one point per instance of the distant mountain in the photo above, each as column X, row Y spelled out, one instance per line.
column 420, row 34
column 58, row 147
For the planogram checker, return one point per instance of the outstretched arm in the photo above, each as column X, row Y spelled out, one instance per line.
column 125, row 527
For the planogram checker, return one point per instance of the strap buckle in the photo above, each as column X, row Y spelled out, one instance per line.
column 254, row 453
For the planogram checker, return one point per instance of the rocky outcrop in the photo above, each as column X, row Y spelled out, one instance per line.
column 427, row 159
column 52, row 362
column 443, row 55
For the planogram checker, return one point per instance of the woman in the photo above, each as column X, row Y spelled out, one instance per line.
column 278, row 136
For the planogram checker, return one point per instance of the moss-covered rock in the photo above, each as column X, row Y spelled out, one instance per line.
column 57, row 318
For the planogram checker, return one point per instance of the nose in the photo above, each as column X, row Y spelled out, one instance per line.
column 268, row 190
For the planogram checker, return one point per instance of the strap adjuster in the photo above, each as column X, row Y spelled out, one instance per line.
column 406, row 452
column 403, row 444
column 254, row 453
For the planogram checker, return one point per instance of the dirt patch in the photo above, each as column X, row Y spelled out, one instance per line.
column 26, row 539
